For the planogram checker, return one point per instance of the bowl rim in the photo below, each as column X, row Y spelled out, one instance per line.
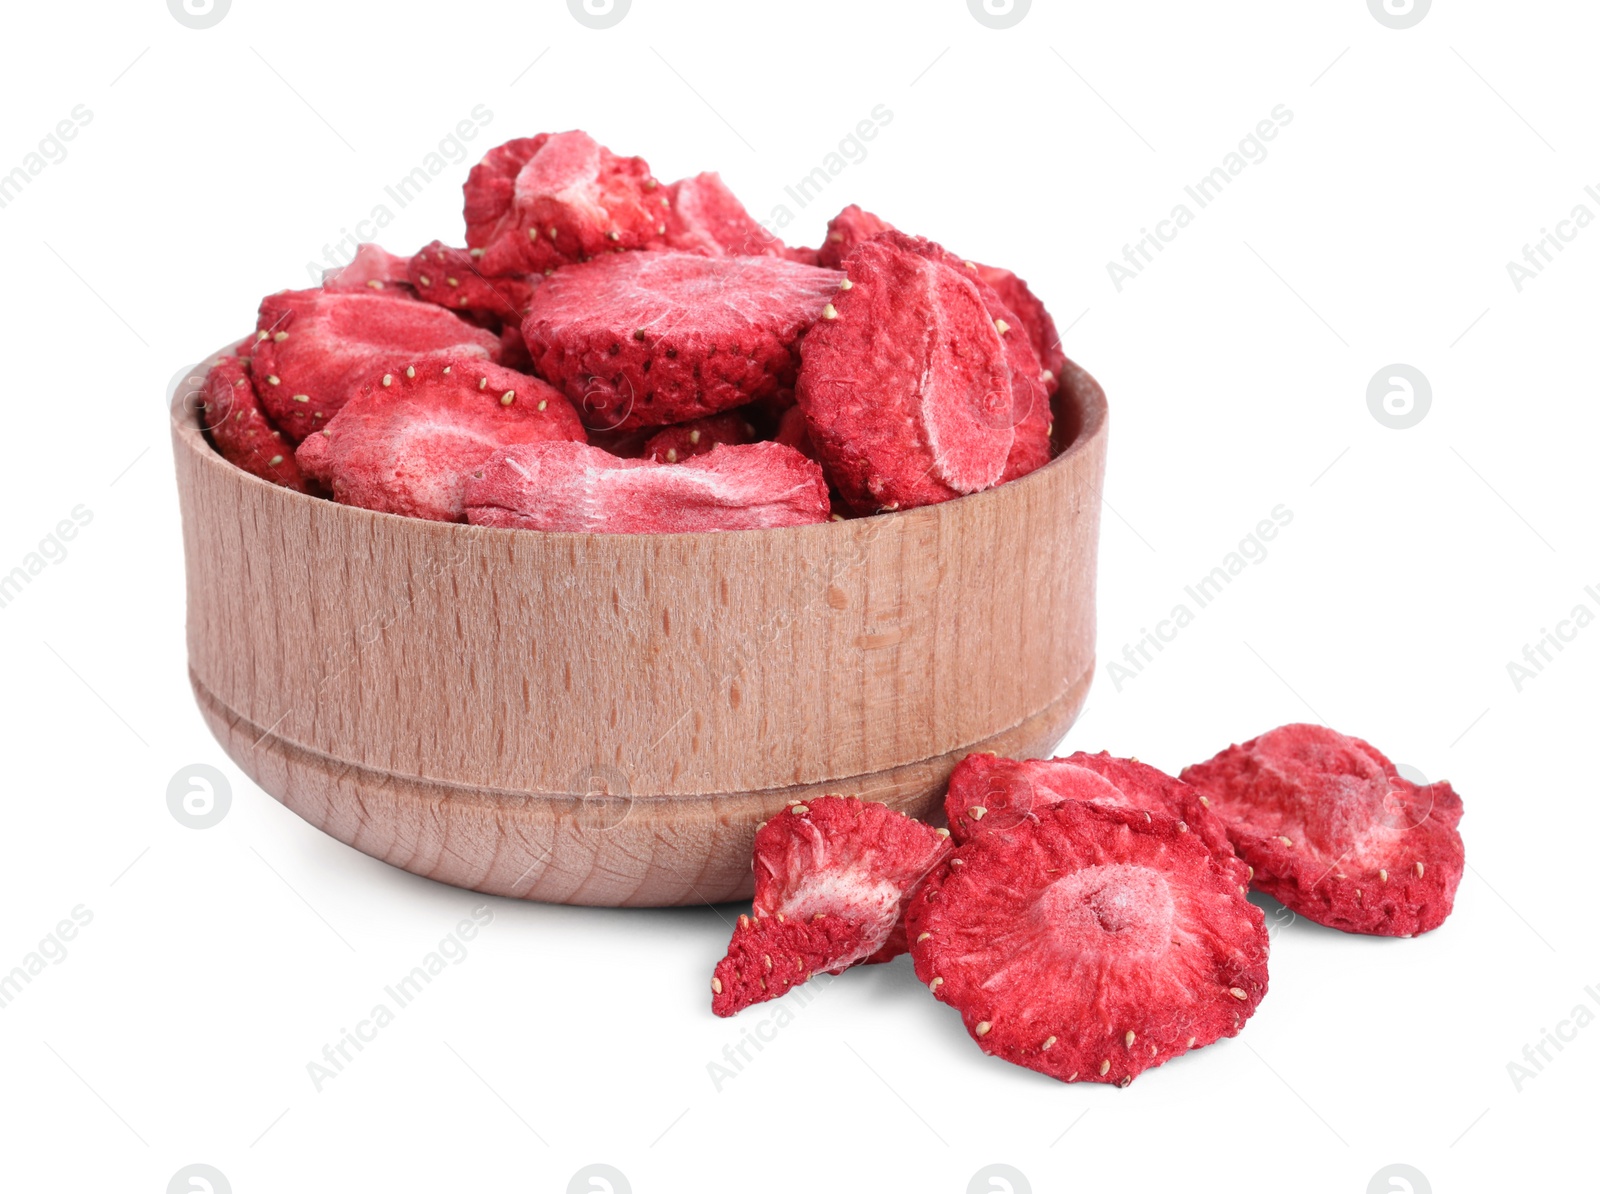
column 1077, row 386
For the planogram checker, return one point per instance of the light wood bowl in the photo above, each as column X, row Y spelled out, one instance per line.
column 605, row 719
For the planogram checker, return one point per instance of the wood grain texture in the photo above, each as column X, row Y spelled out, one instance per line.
column 604, row 719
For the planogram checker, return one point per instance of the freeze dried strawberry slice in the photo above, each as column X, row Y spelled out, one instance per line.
column 1091, row 945
column 1335, row 833
column 987, row 794
column 792, row 431
column 372, row 268
column 1035, row 320
column 906, row 382
column 703, row 216
column 697, row 437
column 514, row 350
column 407, row 444
column 574, row 487
column 847, row 230
column 314, row 348
column 452, row 278
column 771, row 954
column 539, row 202
column 240, row 429
column 846, row 857
column 647, row 339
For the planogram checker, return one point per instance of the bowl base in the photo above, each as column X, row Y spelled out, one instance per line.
column 609, row 851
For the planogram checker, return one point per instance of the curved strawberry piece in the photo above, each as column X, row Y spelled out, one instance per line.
column 408, row 443
column 769, row 955
column 914, row 391
column 315, row 348
column 1335, row 832
column 1091, row 945
column 372, row 268
column 539, row 202
column 452, row 278
column 698, row 436
column 575, row 487
column 704, row 216
column 847, row 230
column 240, row 429
column 648, row 339
column 846, row 857
column 988, row 793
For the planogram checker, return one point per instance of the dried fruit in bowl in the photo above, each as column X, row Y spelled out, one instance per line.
column 314, row 348
column 703, row 216
column 574, row 487
column 540, row 202
column 698, row 436
column 648, row 339
column 914, row 386
column 452, row 278
column 240, row 428
column 407, row 443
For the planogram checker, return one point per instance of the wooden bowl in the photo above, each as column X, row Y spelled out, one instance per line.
column 605, row 719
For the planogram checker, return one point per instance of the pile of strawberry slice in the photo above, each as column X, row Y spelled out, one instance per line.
column 612, row 353
column 1087, row 916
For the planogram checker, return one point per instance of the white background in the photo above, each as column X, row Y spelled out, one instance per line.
column 1417, row 565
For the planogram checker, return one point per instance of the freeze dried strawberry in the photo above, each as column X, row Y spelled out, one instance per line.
column 239, row 427
column 907, row 382
column 847, row 230
column 647, row 339
column 703, row 216
column 314, row 348
column 574, row 487
column 1091, row 945
column 792, row 431
column 988, row 794
column 846, row 857
column 696, row 438
column 372, row 268
column 538, row 202
column 770, row 954
column 1335, row 832
column 452, row 278
column 407, row 444
column 1035, row 320
column 514, row 350
column 802, row 255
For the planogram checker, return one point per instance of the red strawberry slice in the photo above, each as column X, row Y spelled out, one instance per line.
column 704, row 216
column 907, row 383
column 538, row 202
column 451, row 278
column 769, row 955
column 699, row 436
column 372, row 268
column 1033, row 317
column 988, row 794
column 647, row 339
column 847, row 230
column 407, row 444
column 852, row 226
column 846, row 857
column 314, row 348
column 1091, row 945
column 240, row 429
column 574, row 487
column 792, row 431
column 1335, row 833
